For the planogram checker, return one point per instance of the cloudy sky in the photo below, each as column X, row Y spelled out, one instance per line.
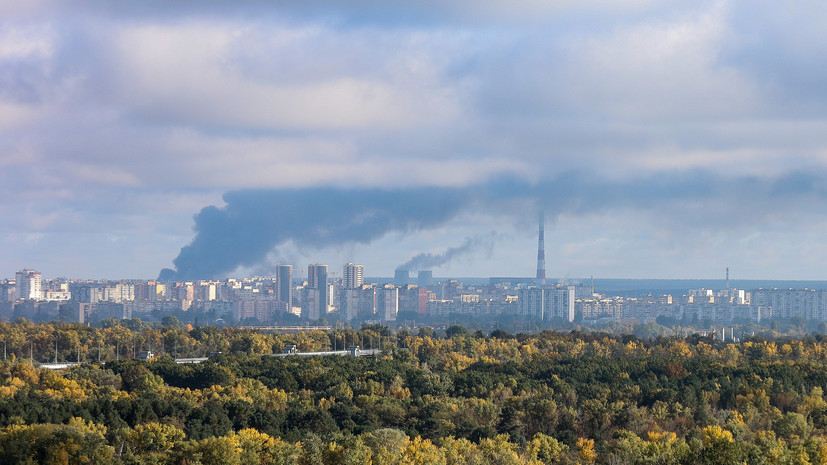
column 663, row 138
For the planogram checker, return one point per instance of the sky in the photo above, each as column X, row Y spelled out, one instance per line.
column 663, row 139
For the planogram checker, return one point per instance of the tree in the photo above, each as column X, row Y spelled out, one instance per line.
column 221, row 450
column 311, row 451
column 153, row 437
column 351, row 451
column 500, row 334
column 455, row 330
column 257, row 447
column 250, row 343
column 77, row 442
column 716, row 446
column 137, row 377
column 546, row 449
column 426, row 331
column 170, row 321
column 586, row 450
column 387, row 445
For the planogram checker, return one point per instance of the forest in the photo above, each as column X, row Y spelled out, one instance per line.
column 453, row 397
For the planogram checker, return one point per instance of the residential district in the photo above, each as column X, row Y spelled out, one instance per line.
column 323, row 298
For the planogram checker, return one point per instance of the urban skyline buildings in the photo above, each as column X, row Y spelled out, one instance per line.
column 316, row 275
column 352, row 276
column 29, row 284
column 261, row 299
column 285, row 284
column 317, row 294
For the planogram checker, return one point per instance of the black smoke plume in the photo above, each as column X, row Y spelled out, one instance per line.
column 254, row 222
column 426, row 260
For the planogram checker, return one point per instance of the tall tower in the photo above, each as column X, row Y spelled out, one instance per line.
column 317, row 279
column 541, row 254
column 317, row 276
column 353, row 276
column 727, row 277
column 285, row 282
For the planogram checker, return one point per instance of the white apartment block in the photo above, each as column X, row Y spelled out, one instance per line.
column 29, row 284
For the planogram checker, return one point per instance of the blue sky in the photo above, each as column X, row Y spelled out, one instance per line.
column 665, row 139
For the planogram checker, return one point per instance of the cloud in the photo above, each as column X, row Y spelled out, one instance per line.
column 204, row 73
column 120, row 116
column 24, row 43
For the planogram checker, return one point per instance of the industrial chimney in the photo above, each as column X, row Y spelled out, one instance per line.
column 401, row 277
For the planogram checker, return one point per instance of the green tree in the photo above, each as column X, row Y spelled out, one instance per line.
column 715, row 447
column 387, row 445
column 153, row 437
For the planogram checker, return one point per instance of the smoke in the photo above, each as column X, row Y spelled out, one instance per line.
column 254, row 222
column 426, row 261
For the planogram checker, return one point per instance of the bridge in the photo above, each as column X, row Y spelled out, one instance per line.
column 182, row 361
column 356, row 353
column 60, row 366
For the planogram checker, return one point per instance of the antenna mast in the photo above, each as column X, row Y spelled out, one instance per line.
column 541, row 253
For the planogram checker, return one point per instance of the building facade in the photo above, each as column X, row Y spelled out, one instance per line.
column 285, row 285
column 387, row 302
column 317, row 302
column 353, row 276
column 29, row 285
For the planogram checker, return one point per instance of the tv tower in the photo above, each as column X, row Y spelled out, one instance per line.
column 541, row 254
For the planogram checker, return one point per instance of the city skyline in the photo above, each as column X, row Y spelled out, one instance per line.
column 662, row 140
column 323, row 298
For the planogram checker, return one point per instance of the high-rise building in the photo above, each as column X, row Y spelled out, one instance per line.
column 29, row 284
column 204, row 290
column 349, row 304
column 317, row 276
column 367, row 301
column 285, row 283
column 311, row 303
column 358, row 303
column 387, row 302
column 547, row 303
column 559, row 303
column 89, row 292
column 124, row 292
column 317, row 279
column 531, row 301
column 352, row 277
column 409, row 299
column 8, row 291
column 423, row 300
column 331, row 293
